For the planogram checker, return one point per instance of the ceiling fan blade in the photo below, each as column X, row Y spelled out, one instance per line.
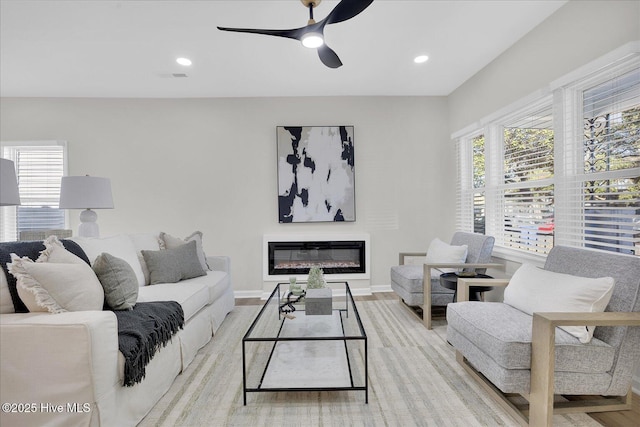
column 329, row 57
column 294, row 33
column 346, row 9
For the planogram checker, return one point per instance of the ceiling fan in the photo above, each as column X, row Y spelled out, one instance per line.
column 312, row 35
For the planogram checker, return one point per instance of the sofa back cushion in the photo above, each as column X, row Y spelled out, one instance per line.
column 145, row 242
column 119, row 246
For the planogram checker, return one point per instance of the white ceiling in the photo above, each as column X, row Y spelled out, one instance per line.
column 128, row 48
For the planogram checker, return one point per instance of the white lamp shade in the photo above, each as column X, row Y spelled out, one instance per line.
column 9, row 194
column 85, row 192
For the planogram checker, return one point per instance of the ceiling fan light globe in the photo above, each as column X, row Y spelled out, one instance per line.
column 312, row 40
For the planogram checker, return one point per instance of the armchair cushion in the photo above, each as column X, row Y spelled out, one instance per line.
column 504, row 334
column 532, row 289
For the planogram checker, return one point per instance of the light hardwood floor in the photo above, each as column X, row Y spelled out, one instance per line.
column 609, row 419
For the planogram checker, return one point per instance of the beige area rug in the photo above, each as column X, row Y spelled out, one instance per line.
column 414, row 380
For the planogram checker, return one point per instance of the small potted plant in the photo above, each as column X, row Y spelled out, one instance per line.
column 316, row 278
column 318, row 299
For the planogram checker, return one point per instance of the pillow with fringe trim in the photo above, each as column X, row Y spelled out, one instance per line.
column 57, row 281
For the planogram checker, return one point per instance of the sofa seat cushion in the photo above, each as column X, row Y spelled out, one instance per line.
column 503, row 333
column 409, row 277
column 190, row 294
column 219, row 282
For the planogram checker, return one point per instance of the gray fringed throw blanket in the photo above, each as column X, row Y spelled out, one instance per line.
column 141, row 331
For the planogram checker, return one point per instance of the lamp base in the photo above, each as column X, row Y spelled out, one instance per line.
column 88, row 225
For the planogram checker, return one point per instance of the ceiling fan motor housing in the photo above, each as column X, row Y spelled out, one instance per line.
column 312, row 3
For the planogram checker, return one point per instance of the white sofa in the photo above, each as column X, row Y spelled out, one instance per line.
column 66, row 370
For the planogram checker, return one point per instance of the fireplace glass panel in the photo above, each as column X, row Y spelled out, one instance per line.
column 334, row 257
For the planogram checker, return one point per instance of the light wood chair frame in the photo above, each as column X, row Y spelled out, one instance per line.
column 541, row 408
column 426, row 280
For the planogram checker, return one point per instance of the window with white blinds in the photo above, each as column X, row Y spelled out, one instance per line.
column 565, row 169
column 607, row 179
column 479, row 179
column 526, row 192
column 39, row 168
column 470, row 185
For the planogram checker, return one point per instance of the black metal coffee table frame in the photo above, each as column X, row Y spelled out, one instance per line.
column 348, row 312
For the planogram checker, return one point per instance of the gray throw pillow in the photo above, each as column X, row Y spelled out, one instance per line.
column 118, row 280
column 173, row 265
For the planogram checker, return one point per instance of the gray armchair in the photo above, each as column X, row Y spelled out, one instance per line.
column 407, row 280
column 509, row 351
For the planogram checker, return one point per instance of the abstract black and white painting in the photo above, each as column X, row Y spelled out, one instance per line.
column 316, row 178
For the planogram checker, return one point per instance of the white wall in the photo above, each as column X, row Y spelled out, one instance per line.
column 210, row 164
column 576, row 34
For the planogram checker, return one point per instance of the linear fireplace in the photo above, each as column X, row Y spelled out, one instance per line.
column 341, row 256
column 334, row 257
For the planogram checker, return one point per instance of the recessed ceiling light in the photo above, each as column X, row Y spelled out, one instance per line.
column 184, row 61
column 420, row 59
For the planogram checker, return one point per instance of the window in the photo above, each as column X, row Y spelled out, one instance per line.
column 39, row 167
column 470, row 188
column 561, row 169
column 608, row 181
column 479, row 221
column 527, row 190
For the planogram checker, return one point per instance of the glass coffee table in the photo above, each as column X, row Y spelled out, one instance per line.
column 286, row 349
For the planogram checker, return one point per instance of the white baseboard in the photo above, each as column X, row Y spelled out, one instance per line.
column 247, row 294
column 385, row 288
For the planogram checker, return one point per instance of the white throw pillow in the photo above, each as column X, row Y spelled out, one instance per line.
column 57, row 281
column 532, row 289
column 119, row 246
column 440, row 252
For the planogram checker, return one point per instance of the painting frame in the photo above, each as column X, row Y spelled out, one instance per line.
column 316, row 174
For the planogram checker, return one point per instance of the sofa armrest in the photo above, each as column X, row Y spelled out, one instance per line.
column 543, row 351
column 58, row 359
column 219, row 263
column 462, row 265
column 403, row 255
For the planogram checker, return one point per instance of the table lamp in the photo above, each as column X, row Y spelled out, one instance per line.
column 86, row 192
column 9, row 193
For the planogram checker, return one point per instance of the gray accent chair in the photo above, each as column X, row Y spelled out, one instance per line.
column 509, row 351
column 407, row 279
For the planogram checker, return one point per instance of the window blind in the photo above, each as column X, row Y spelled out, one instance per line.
column 39, row 168
column 526, row 193
column 563, row 170
column 607, row 181
column 470, row 202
